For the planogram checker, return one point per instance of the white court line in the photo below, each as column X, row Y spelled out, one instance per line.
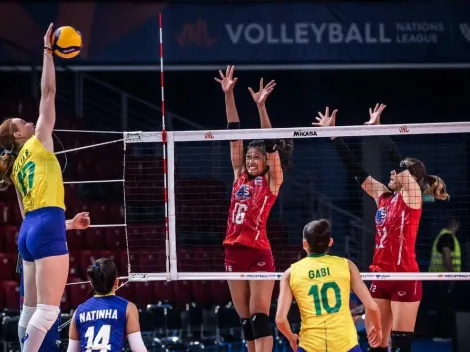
column 109, row 225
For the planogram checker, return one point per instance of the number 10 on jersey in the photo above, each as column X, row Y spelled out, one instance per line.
column 239, row 211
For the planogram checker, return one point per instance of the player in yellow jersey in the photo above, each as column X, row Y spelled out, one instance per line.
column 321, row 285
column 28, row 161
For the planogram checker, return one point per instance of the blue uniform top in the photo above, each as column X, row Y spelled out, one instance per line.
column 101, row 323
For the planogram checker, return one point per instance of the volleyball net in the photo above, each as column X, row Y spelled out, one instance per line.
column 317, row 185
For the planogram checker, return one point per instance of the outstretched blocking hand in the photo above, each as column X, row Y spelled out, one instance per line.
column 374, row 115
column 326, row 120
column 47, row 37
column 227, row 82
column 262, row 94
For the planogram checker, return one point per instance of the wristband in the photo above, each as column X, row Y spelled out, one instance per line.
column 49, row 50
column 233, row 125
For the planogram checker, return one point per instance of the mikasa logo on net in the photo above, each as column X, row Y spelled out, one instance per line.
column 301, row 133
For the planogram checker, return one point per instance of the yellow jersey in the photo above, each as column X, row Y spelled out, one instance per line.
column 321, row 286
column 37, row 176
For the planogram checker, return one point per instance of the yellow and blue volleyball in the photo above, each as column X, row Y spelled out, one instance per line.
column 66, row 42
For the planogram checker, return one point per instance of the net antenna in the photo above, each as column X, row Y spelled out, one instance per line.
column 164, row 144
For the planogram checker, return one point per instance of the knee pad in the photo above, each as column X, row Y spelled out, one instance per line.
column 401, row 341
column 377, row 349
column 247, row 329
column 26, row 315
column 261, row 325
column 44, row 317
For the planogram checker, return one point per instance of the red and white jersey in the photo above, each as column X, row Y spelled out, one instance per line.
column 396, row 227
column 250, row 205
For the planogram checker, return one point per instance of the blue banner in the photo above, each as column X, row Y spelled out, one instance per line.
column 128, row 34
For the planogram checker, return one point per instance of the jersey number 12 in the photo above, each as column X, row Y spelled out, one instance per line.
column 100, row 342
column 26, row 177
column 320, row 297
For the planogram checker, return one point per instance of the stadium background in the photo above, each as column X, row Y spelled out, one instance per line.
column 114, row 85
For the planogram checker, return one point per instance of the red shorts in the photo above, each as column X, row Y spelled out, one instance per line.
column 399, row 291
column 247, row 259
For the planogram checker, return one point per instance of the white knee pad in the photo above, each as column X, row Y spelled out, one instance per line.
column 44, row 317
column 26, row 315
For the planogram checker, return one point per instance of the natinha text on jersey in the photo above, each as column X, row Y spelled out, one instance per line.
column 98, row 314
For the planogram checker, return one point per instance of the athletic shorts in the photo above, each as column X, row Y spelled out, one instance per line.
column 42, row 234
column 53, row 335
column 354, row 349
column 248, row 259
column 398, row 291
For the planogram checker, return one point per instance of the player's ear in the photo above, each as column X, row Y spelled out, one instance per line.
column 305, row 245
column 116, row 284
column 331, row 242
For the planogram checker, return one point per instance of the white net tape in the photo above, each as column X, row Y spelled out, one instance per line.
column 317, row 186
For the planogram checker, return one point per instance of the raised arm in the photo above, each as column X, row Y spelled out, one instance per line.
column 276, row 176
column 283, row 306
column 372, row 187
column 227, row 82
column 46, row 120
column 374, row 332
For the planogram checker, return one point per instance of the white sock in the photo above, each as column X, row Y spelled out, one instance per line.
column 41, row 321
column 33, row 339
column 25, row 317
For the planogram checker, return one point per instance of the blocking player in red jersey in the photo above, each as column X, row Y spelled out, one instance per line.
column 397, row 219
column 258, row 175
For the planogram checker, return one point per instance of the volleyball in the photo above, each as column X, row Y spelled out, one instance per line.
column 66, row 42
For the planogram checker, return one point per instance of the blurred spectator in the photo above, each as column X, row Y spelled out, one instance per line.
column 445, row 257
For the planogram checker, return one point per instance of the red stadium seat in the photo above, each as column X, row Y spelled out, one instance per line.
column 115, row 238
column 201, row 292
column 77, row 294
column 74, row 264
column 182, row 291
column 95, row 238
column 76, row 240
column 127, row 292
column 12, row 295
column 11, row 239
column 7, row 266
column 220, row 292
column 85, row 259
column 144, row 294
column 2, row 297
column 4, row 213
column 164, row 292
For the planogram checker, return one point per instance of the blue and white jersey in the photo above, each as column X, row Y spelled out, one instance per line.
column 101, row 324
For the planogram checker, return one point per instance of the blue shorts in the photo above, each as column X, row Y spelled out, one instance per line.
column 42, row 234
column 53, row 335
column 354, row 349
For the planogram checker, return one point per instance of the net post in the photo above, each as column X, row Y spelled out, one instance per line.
column 171, row 249
column 124, row 200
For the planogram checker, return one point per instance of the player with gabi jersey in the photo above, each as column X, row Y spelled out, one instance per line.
column 258, row 175
column 397, row 220
column 103, row 322
column 321, row 285
column 28, row 162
